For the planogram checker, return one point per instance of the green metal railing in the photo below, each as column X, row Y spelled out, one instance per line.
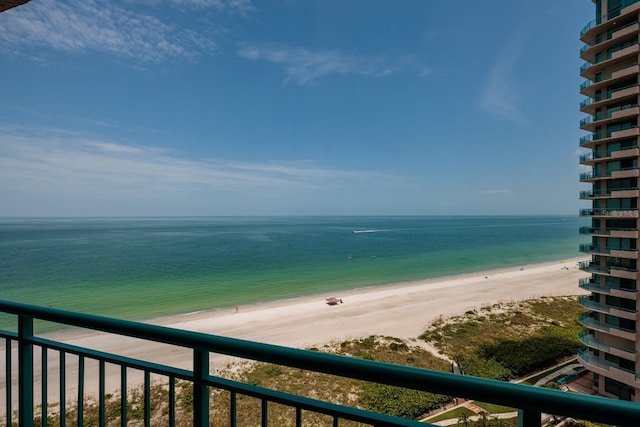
column 531, row 402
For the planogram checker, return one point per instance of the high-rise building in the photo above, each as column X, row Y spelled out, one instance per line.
column 611, row 73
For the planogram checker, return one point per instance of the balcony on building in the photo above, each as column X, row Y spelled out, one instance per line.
column 627, row 93
column 621, row 57
column 621, row 312
column 590, row 323
column 594, row 157
column 611, row 270
column 591, row 341
column 612, row 37
column 612, row 77
column 592, row 285
column 593, row 363
column 610, row 23
column 590, row 123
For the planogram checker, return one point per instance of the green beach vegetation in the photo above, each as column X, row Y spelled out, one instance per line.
column 501, row 341
column 507, row 341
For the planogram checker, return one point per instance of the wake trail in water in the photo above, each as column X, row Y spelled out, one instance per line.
column 455, row 227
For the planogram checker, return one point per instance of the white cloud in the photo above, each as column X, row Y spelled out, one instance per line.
column 302, row 65
column 239, row 7
column 77, row 165
column 500, row 96
column 105, row 27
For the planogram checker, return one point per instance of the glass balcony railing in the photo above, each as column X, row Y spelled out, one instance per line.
column 610, row 111
column 589, row 230
column 622, row 268
column 588, row 284
column 586, row 157
column 35, row 355
column 590, row 25
column 610, row 54
column 584, row 48
column 617, row 11
column 585, row 302
column 610, row 94
column 592, row 359
column 589, row 322
column 586, row 139
column 590, row 341
column 592, row 267
column 588, row 248
column 586, row 176
column 609, row 114
column 585, row 66
column 600, row 19
column 586, row 121
column 604, row 231
column 585, row 84
column 601, row 39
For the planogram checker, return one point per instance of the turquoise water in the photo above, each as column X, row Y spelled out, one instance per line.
column 146, row 267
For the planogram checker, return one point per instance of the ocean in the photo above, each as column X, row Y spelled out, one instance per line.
column 139, row 268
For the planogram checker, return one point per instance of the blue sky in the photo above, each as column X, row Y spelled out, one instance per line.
column 290, row 107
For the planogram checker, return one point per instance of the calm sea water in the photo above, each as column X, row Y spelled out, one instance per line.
column 140, row 268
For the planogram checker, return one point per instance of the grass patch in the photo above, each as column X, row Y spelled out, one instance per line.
column 454, row 413
column 492, row 408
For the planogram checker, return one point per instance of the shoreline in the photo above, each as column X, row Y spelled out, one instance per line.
column 445, row 296
column 403, row 310
column 178, row 318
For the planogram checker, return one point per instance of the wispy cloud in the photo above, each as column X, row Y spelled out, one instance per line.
column 82, row 165
column 240, row 7
column 302, row 65
column 89, row 26
column 500, row 96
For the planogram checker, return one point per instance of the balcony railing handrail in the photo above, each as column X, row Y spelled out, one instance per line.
column 606, row 17
column 531, row 401
column 590, row 341
column 592, row 323
column 584, row 301
column 588, row 357
column 590, row 285
column 593, row 42
column 599, row 98
column 610, row 52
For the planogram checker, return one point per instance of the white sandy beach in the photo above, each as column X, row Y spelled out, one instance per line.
column 402, row 310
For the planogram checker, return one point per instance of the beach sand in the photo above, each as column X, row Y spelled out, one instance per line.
column 402, row 310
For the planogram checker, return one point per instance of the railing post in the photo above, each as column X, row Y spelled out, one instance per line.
column 200, row 389
column 529, row 418
column 25, row 371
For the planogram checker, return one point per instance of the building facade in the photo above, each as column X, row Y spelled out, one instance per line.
column 611, row 73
